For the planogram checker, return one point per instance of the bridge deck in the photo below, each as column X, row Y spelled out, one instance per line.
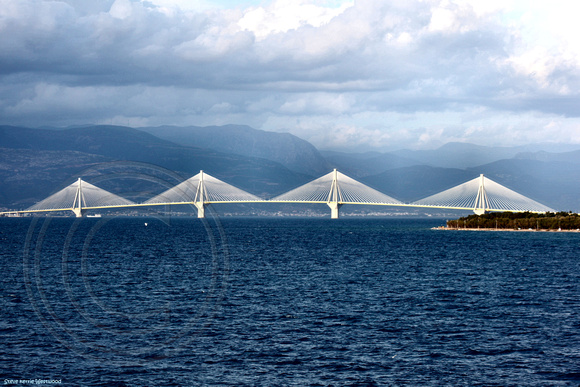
column 140, row 205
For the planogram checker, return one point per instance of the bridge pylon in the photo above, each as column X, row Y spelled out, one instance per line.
column 200, row 197
column 334, row 196
column 79, row 200
column 481, row 201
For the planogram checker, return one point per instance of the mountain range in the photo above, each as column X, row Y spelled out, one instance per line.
column 37, row 162
column 292, row 152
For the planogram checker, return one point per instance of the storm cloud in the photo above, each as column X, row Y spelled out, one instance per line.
column 344, row 75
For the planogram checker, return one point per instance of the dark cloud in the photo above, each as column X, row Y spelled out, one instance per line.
column 380, row 67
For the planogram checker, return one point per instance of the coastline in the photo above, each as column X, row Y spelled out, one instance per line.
column 445, row 228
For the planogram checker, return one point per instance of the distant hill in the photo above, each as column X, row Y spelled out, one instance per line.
column 29, row 175
column 551, row 178
column 554, row 184
column 48, row 154
column 564, row 157
column 294, row 153
column 465, row 155
column 451, row 155
column 359, row 165
column 410, row 184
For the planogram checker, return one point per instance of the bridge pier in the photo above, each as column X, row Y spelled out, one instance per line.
column 334, row 207
column 200, row 209
column 334, row 196
column 79, row 212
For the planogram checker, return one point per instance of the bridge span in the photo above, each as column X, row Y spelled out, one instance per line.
column 334, row 189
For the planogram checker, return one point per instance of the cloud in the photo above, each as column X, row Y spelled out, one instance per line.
column 285, row 15
column 369, row 73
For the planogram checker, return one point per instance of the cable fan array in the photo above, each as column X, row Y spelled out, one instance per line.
column 479, row 194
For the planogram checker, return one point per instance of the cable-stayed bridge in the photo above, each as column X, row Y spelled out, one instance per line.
column 335, row 189
column 78, row 197
column 490, row 196
column 200, row 190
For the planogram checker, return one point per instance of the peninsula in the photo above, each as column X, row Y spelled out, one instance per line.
column 548, row 221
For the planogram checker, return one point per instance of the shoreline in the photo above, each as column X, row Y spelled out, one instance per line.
column 445, row 228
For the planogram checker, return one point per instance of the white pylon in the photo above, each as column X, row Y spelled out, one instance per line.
column 481, row 202
column 77, row 207
column 334, row 196
column 200, row 196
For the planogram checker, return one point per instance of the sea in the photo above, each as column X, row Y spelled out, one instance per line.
column 285, row 301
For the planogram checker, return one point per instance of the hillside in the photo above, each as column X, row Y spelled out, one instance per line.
column 451, row 155
column 555, row 184
column 28, row 175
column 46, row 156
column 410, row 184
column 284, row 148
column 359, row 165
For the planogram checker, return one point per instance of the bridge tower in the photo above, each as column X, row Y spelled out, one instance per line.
column 481, row 201
column 200, row 197
column 334, row 196
column 77, row 207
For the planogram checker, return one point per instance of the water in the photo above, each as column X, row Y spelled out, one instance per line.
column 360, row 302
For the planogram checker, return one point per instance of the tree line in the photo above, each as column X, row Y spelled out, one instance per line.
column 519, row 221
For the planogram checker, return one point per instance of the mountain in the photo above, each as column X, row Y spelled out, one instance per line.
column 410, row 184
column 564, row 157
column 555, row 184
column 294, row 153
column 465, row 155
column 360, row 165
column 551, row 178
column 29, row 175
column 47, row 155
column 452, row 155
column 458, row 155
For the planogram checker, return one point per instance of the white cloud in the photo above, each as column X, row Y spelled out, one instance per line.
column 286, row 15
column 121, row 9
column 212, row 45
column 171, row 6
column 443, row 19
column 318, row 103
column 548, row 50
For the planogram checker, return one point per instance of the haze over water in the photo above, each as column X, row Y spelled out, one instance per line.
column 285, row 301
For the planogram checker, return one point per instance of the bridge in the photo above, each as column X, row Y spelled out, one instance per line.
column 335, row 189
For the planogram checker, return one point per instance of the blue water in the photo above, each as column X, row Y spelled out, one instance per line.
column 318, row 302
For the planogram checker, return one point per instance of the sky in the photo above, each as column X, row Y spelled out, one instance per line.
column 348, row 75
